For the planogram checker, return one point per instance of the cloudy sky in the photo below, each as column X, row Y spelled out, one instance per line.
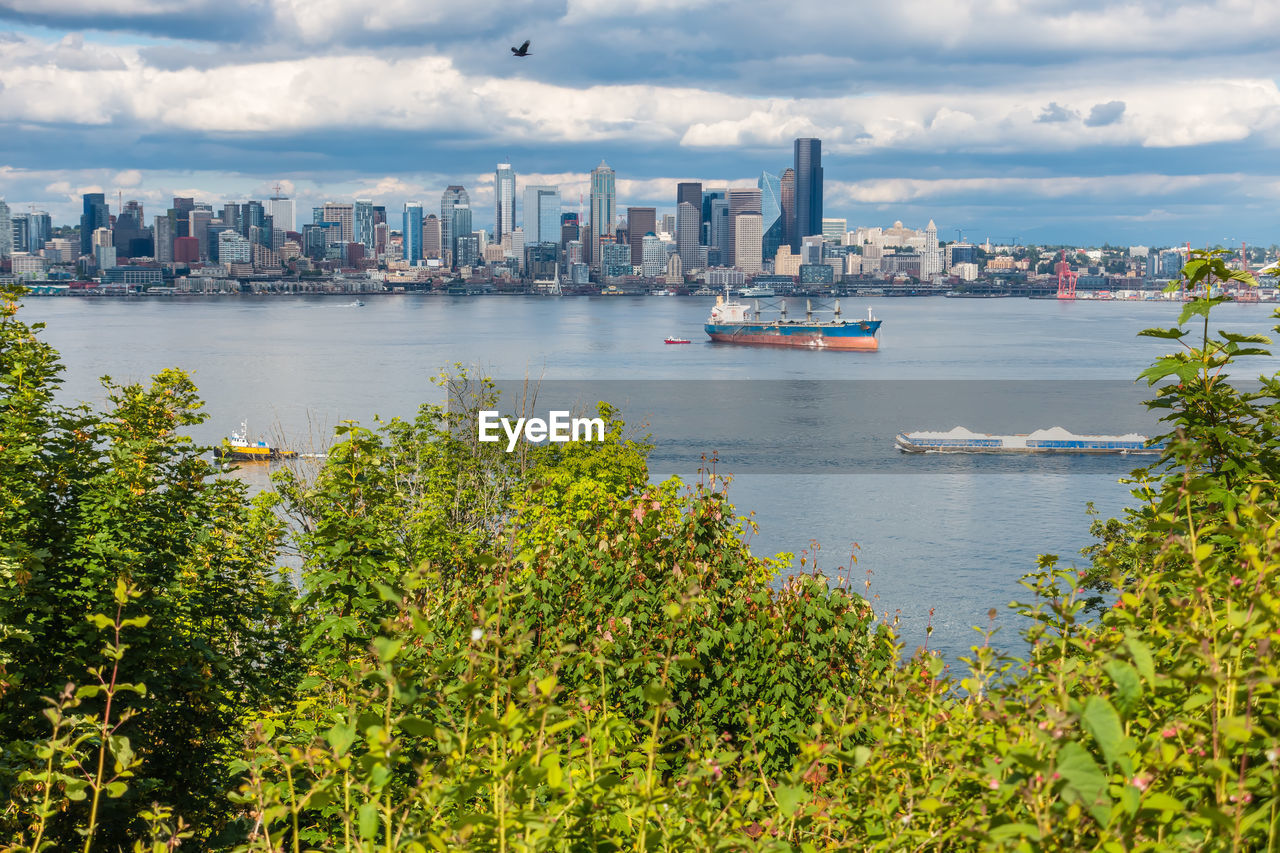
column 1130, row 121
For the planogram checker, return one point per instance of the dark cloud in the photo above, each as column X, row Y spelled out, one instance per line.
column 1056, row 113
column 1104, row 114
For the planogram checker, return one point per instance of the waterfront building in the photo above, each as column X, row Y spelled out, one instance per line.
column 412, row 231
column 281, row 210
column 94, row 215
column 653, row 256
column 748, row 233
column 603, row 211
column 451, row 198
column 817, row 274
column 641, row 221
column 688, row 231
column 835, row 231
column 468, row 254
column 771, row 213
column 541, row 214
column 808, row 192
column 344, row 215
column 504, row 201
column 961, row 253
column 811, row 249
column 29, row 267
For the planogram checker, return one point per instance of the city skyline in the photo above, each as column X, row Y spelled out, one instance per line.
column 1047, row 121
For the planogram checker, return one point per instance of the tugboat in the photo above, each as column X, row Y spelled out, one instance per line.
column 238, row 447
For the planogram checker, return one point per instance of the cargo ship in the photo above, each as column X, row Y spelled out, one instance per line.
column 1052, row 440
column 240, row 448
column 733, row 322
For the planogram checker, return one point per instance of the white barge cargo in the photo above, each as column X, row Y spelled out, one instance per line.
column 1052, row 440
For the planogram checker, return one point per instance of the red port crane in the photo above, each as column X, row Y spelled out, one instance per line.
column 1066, row 278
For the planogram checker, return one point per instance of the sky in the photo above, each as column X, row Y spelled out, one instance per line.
column 1148, row 122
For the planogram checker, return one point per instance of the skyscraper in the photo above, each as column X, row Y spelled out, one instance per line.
column 432, row 237
column 460, row 228
column 6, row 231
column 771, row 213
column 788, row 199
column 163, row 236
column 364, row 222
column 708, row 229
column 690, row 191
column 688, row 229
column 603, row 209
column 808, row 190
column 453, row 196
column 541, row 214
column 740, row 202
column 640, row 221
column 504, row 201
column 747, row 233
column 94, row 216
column 412, row 232
column 344, row 215
column 281, row 210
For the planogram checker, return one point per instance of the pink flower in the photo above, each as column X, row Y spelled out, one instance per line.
column 1169, row 732
column 994, row 785
column 1141, row 781
column 1235, row 581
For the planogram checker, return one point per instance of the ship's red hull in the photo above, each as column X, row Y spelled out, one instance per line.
column 866, row 344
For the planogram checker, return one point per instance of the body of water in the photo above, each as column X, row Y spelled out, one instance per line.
column 952, row 535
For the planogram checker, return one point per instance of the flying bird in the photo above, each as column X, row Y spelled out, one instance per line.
column 522, row 50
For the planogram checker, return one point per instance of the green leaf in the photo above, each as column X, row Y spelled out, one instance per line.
column 340, row 738
column 1142, row 658
column 551, row 764
column 416, row 726
column 367, row 820
column 1127, row 682
column 1009, row 831
column 1085, row 781
column 387, row 648
column 1101, row 720
column 789, row 798
column 1172, row 334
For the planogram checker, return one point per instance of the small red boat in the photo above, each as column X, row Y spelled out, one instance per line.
column 672, row 340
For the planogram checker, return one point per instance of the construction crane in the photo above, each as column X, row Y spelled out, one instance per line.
column 1245, row 293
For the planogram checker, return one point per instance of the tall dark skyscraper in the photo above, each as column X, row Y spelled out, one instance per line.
column 640, row 221
column 94, row 216
column 690, row 191
column 808, row 190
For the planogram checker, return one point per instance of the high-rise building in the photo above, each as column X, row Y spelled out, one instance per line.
column 233, row 248
column 787, row 195
column 39, row 231
column 931, row 257
column 462, row 227
column 667, row 225
column 504, row 201
column 104, row 253
column 19, row 231
column 364, row 222
column 162, row 234
column 709, row 197
column 740, row 201
column 641, row 221
column 569, row 230
column 6, row 231
column 653, row 257
column 718, row 237
column 690, row 191
column 808, row 165
column 835, row 231
column 130, row 236
column 453, row 196
column 541, row 214
column 688, row 229
column 95, row 215
column 281, row 210
column 198, row 221
column 771, row 213
column 344, row 215
column 748, row 231
column 603, row 210
column 413, row 232
column 432, row 237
